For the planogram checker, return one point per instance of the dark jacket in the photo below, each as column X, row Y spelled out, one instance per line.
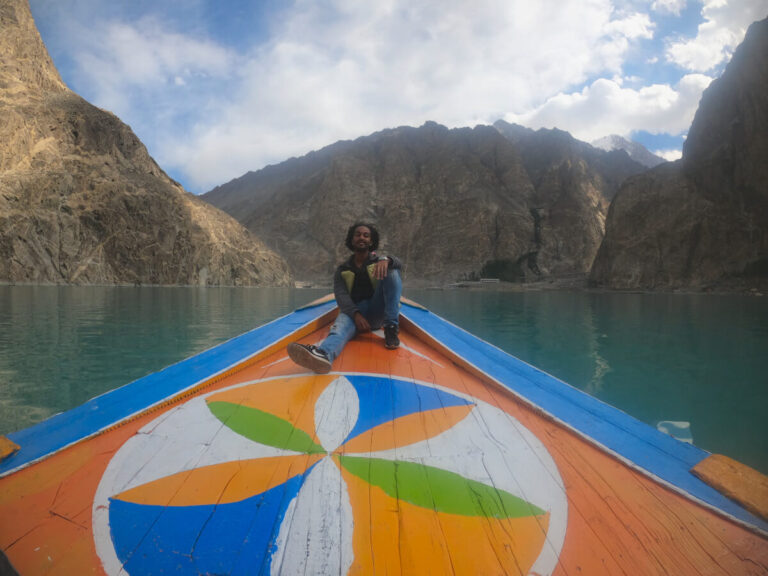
column 344, row 277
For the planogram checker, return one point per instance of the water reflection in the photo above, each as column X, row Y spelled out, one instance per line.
column 62, row 345
column 702, row 359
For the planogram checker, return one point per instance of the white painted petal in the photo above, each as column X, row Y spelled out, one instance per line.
column 336, row 412
column 188, row 437
column 380, row 334
column 316, row 534
column 494, row 448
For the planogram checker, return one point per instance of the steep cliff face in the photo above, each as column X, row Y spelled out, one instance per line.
column 81, row 200
column 444, row 201
column 545, row 150
column 701, row 222
column 574, row 184
column 451, row 203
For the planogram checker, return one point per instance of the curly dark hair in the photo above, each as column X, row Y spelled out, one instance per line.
column 351, row 233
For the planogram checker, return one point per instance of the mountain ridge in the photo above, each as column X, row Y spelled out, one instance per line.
column 699, row 223
column 415, row 181
column 83, row 202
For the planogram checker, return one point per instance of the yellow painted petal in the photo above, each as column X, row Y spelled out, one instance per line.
column 220, row 483
column 393, row 536
column 407, row 429
column 292, row 399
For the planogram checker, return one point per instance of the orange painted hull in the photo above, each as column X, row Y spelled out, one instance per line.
column 397, row 504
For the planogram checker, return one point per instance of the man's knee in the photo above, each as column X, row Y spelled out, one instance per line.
column 342, row 324
column 393, row 278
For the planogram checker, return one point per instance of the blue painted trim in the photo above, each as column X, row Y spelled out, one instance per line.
column 640, row 444
column 108, row 409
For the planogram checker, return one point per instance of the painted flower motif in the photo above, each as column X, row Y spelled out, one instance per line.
column 342, row 479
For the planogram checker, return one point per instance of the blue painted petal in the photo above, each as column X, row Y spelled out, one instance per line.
column 236, row 538
column 385, row 399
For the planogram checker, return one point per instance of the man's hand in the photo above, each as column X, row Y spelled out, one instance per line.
column 381, row 268
column 361, row 323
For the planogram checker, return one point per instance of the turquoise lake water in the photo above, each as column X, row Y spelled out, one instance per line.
column 702, row 359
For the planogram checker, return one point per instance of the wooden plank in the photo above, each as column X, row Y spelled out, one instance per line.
column 635, row 442
column 739, row 482
column 636, row 519
column 679, row 538
column 491, row 535
column 589, row 556
column 421, row 469
column 7, row 447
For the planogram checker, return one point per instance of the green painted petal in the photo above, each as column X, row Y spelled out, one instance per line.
column 438, row 489
column 264, row 428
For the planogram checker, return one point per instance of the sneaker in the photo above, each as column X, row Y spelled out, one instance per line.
column 391, row 340
column 309, row 356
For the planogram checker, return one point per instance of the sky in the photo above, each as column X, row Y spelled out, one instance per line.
column 217, row 88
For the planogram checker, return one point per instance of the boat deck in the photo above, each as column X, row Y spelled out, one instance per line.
column 414, row 461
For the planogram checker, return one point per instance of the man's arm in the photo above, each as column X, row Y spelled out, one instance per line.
column 394, row 263
column 383, row 265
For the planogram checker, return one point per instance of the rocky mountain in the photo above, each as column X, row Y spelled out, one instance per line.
column 81, row 200
column 701, row 222
column 635, row 150
column 498, row 201
column 544, row 149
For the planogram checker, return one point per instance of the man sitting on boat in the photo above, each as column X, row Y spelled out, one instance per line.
column 367, row 288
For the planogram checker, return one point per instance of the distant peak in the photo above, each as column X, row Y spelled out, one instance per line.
column 635, row 150
column 611, row 142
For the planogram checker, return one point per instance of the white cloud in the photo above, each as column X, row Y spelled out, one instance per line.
column 116, row 60
column 343, row 68
column 668, row 6
column 605, row 107
column 361, row 69
column 723, row 28
column 634, row 26
column 669, row 155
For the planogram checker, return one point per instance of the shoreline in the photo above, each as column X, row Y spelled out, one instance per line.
column 582, row 285
column 548, row 285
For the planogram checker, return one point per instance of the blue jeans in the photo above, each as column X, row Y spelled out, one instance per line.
column 380, row 309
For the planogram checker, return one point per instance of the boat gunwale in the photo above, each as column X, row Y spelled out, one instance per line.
column 722, row 505
column 319, row 313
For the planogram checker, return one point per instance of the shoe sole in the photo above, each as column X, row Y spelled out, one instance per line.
column 389, row 346
column 306, row 359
